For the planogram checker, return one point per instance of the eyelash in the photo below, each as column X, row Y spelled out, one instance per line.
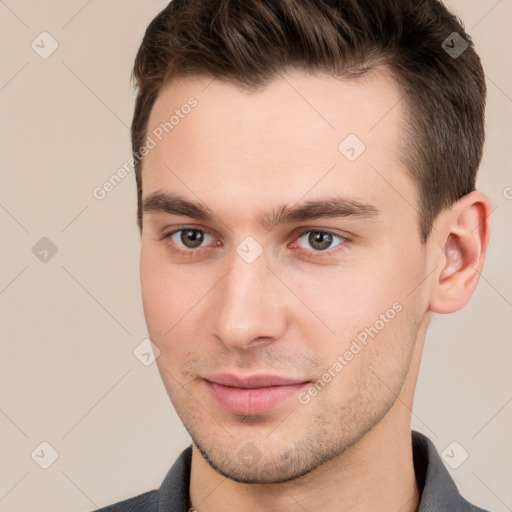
column 312, row 253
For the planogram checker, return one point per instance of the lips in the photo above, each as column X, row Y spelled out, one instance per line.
column 254, row 381
column 252, row 395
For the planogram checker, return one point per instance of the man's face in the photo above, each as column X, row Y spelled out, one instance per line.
column 286, row 298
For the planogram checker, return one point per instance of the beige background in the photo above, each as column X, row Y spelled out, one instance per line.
column 69, row 326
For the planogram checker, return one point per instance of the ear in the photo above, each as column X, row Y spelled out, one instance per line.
column 462, row 237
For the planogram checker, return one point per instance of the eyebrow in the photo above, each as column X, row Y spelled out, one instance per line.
column 329, row 207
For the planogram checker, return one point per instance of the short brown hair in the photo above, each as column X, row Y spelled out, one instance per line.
column 249, row 42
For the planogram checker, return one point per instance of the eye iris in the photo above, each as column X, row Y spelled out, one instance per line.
column 192, row 238
column 318, row 237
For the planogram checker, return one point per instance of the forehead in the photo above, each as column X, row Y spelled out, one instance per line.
column 292, row 106
column 300, row 134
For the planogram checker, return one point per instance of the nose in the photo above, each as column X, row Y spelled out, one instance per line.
column 251, row 306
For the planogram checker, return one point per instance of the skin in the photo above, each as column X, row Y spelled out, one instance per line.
column 290, row 313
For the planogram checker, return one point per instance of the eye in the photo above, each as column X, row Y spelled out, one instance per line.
column 187, row 238
column 319, row 240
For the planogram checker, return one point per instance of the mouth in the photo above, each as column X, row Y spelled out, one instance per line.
column 253, row 395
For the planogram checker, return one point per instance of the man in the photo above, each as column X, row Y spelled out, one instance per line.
column 306, row 199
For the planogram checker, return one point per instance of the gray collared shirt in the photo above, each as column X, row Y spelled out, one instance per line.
column 438, row 490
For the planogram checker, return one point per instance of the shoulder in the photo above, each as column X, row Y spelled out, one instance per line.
column 147, row 502
column 173, row 493
column 438, row 489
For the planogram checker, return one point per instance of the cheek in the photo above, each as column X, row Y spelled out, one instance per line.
column 348, row 299
column 162, row 306
column 170, row 295
column 159, row 294
column 370, row 299
column 150, row 287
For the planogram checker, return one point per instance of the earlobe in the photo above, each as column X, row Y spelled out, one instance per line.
column 464, row 232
